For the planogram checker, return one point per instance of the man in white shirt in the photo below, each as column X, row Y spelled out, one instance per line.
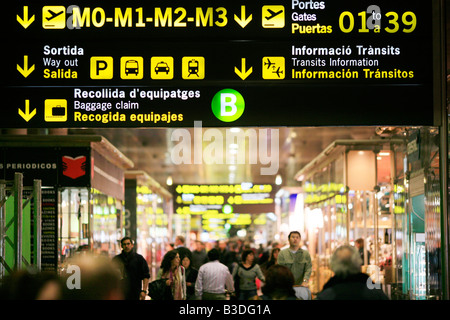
column 213, row 279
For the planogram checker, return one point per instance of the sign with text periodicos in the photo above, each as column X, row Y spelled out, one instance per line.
column 90, row 64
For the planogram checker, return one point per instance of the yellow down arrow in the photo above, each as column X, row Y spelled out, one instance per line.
column 25, row 22
column 25, row 71
column 243, row 21
column 243, row 74
column 27, row 115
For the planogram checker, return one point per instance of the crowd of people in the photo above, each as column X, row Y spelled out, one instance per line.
column 230, row 270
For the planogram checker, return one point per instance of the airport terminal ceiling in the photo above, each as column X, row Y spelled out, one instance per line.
column 152, row 150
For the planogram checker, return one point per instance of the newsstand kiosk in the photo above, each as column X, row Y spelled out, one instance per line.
column 83, row 195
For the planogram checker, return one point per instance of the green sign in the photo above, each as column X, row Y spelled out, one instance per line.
column 228, row 105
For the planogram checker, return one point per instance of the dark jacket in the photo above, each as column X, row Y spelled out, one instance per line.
column 199, row 258
column 361, row 253
column 134, row 269
column 191, row 277
column 351, row 287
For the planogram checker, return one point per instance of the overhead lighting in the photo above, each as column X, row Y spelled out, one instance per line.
column 169, row 181
column 235, row 130
column 384, row 153
column 232, row 168
column 227, row 209
column 242, row 233
column 278, row 180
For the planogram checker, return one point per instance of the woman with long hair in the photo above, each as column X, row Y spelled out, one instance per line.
column 191, row 273
column 172, row 270
column 273, row 260
column 245, row 274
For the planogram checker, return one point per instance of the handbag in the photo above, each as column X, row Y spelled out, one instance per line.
column 157, row 289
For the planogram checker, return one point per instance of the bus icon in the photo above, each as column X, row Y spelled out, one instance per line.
column 131, row 67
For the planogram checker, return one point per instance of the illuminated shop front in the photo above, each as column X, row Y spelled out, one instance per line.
column 83, row 177
column 385, row 191
column 148, row 216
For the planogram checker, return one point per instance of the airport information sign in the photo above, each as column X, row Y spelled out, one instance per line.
column 225, row 63
column 221, row 206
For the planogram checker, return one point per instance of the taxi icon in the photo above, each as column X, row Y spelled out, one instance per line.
column 162, row 67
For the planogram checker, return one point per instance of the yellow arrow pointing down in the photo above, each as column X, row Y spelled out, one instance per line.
column 27, row 115
column 25, row 22
column 243, row 74
column 25, row 71
column 243, row 21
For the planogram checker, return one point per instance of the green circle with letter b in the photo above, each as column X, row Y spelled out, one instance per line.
column 228, row 105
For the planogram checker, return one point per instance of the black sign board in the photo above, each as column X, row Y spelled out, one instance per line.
column 224, row 198
column 219, row 206
column 58, row 166
column 49, row 230
column 226, row 63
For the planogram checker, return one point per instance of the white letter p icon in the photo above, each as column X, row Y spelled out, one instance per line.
column 227, row 100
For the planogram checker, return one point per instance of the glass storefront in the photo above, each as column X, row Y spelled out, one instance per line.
column 107, row 218
column 152, row 223
column 89, row 220
column 147, row 216
column 386, row 192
